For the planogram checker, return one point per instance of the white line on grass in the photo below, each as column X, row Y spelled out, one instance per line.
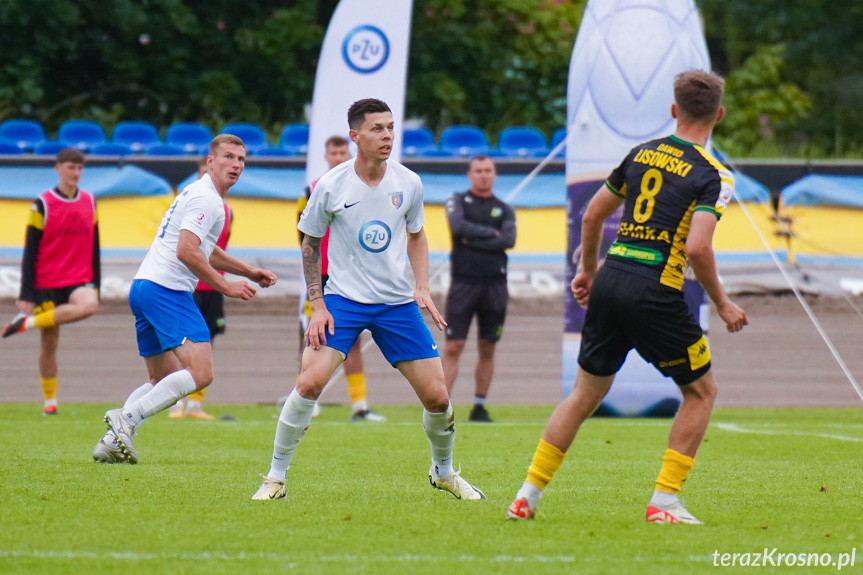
column 733, row 427
column 783, row 425
column 272, row 423
column 292, row 560
column 627, row 422
column 243, row 556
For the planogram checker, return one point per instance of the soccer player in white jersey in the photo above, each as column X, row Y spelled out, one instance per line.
column 173, row 338
column 370, row 205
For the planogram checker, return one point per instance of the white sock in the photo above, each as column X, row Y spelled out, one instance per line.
column 164, row 394
column 50, row 402
column 359, row 406
column 440, row 429
column 530, row 493
column 137, row 394
column 293, row 423
column 192, row 405
column 663, row 499
column 479, row 400
column 30, row 322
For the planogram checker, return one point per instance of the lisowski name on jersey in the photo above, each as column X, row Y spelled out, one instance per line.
column 662, row 160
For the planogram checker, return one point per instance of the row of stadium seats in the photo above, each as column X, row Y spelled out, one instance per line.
column 127, row 138
column 467, row 141
column 20, row 136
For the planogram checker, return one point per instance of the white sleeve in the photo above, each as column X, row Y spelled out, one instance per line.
column 201, row 215
column 415, row 215
column 315, row 219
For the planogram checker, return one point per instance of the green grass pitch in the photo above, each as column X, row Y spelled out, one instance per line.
column 359, row 499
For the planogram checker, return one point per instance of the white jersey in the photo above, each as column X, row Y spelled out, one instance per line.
column 199, row 209
column 368, row 260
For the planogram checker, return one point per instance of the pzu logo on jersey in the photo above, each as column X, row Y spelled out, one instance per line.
column 375, row 236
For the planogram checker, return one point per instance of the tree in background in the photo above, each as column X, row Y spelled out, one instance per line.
column 493, row 63
column 763, row 113
column 157, row 60
column 823, row 55
column 794, row 67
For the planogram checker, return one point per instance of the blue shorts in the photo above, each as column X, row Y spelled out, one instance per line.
column 399, row 330
column 164, row 318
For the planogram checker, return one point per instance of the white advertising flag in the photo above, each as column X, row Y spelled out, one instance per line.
column 364, row 55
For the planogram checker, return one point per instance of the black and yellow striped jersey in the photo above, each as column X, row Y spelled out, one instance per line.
column 662, row 183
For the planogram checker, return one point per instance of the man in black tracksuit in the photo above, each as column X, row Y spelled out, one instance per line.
column 482, row 228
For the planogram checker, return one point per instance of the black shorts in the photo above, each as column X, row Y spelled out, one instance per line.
column 212, row 306
column 485, row 300
column 626, row 311
column 50, row 298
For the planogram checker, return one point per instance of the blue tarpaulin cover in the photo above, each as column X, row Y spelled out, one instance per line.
column 815, row 190
column 543, row 191
column 102, row 182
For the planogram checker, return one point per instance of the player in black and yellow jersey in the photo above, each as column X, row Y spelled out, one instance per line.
column 673, row 193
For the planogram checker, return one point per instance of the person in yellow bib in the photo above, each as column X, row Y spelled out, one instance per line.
column 673, row 193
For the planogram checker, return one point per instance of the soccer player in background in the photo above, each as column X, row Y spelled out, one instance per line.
column 212, row 307
column 61, row 268
column 172, row 336
column 673, row 193
column 373, row 208
column 336, row 152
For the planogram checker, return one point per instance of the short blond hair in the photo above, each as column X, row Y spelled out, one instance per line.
column 225, row 139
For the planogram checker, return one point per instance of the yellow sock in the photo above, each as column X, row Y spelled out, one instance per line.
column 49, row 387
column 675, row 468
column 198, row 395
column 356, row 386
column 546, row 461
column 44, row 319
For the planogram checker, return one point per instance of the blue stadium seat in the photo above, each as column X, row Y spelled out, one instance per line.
column 112, row 149
column 556, row 138
column 253, row 136
column 464, row 141
column 10, row 149
column 523, row 142
column 81, row 134
column 26, row 134
column 49, row 148
column 140, row 136
column 166, row 150
column 418, row 142
column 192, row 137
column 295, row 139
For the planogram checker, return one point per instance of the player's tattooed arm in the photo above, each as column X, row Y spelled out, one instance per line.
column 312, row 266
